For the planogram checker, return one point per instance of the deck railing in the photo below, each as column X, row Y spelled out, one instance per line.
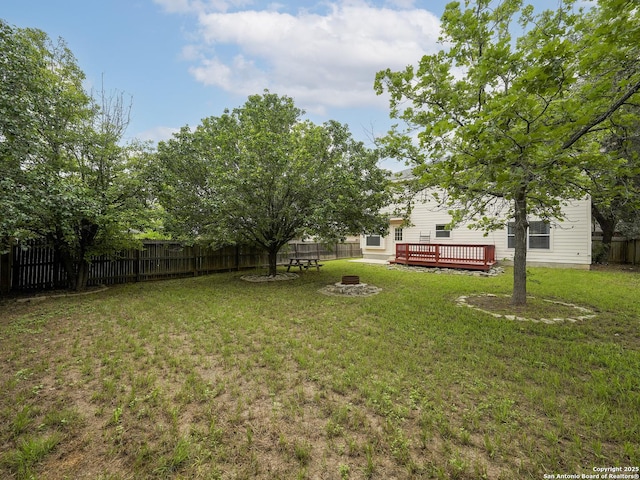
column 477, row 257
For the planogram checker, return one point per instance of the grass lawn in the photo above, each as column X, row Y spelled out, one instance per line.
column 215, row 377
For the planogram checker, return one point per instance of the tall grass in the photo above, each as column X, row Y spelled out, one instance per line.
column 215, row 377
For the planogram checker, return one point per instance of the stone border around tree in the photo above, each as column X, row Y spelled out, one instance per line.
column 587, row 313
column 39, row 298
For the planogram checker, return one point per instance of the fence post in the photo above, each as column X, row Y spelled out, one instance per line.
column 136, row 265
column 5, row 272
column 195, row 251
column 15, row 267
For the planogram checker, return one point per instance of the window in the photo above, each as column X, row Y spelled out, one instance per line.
column 397, row 236
column 539, row 235
column 442, row 231
column 373, row 241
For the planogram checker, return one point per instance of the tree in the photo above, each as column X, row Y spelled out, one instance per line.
column 262, row 175
column 67, row 180
column 615, row 183
column 500, row 122
column 96, row 198
column 610, row 70
column 21, row 82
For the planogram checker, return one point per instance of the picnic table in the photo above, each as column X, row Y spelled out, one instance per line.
column 305, row 263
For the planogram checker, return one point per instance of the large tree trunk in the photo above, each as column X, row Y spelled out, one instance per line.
column 88, row 233
column 82, row 278
column 519, row 295
column 69, row 266
column 608, row 225
column 77, row 270
column 273, row 261
column 73, row 257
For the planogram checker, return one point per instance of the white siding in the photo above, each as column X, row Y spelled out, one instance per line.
column 570, row 240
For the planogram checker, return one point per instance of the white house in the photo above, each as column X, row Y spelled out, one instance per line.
column 562, row 244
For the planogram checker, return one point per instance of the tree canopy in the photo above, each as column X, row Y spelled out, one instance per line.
column 260, row 174
column 614, row 183
column 66, row 179
column 501, row 121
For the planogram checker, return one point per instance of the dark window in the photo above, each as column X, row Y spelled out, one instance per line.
column 511, row 235
column 373, row 240
column 397, row 234
column 539, row 235
column 442, row 231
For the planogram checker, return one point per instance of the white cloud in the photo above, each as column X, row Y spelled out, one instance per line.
column 227, row 76
column 191, row 53
column 586, row 3
column 157, row 134
column 176, row 6
column 402, row 3
column 321, row 60
column 200, row 6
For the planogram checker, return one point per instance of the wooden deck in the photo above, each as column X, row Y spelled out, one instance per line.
column 471, row 257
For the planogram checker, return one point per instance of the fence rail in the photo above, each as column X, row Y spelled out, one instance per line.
column 38, row 268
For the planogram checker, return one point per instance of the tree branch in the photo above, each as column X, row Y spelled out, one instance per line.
column 601, row 118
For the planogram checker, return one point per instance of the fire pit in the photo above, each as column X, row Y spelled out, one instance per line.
column 350, row 286
column 350, row 280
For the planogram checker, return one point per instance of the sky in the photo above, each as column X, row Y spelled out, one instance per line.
column 184, row 60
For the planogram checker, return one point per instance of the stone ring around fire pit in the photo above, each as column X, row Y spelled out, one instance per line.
column 350, row 286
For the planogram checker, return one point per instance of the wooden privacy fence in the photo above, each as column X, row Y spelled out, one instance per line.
column 622, row 250
column 37, row 268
